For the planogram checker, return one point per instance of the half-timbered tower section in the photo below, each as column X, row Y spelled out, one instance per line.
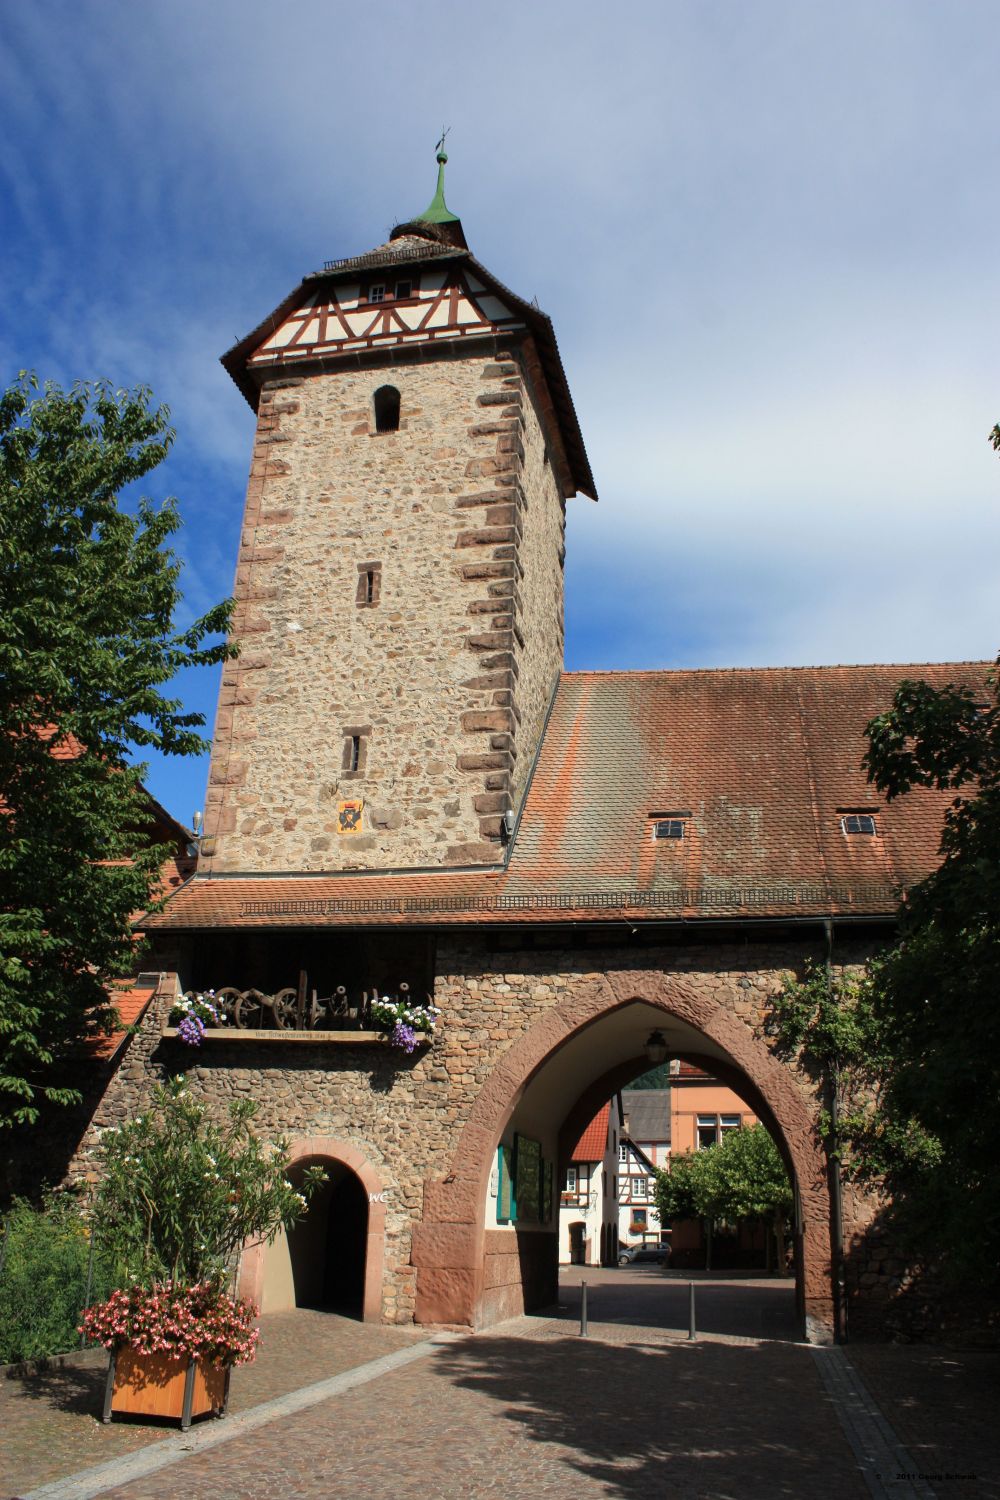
column 399, row 584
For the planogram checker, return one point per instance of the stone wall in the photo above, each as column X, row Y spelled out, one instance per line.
column 441, row 669
column 410, row 1117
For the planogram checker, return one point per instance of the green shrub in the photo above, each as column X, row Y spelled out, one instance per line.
column 43, row 1280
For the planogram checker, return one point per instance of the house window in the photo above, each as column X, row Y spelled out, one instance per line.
column 376, row 292
column 570, row 1180
column 730, row 1122
column 623, row 1152
column 386, row 403
column 639, row 1216
column 638, row 1187
column 369, row 585
column 708, row 1131
column 862, row 823
column 403, row 289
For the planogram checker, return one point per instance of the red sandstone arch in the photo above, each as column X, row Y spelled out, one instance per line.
column 448, row 1245
column 327, row 1148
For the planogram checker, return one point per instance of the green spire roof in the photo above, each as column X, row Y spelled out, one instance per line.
column 438, row 211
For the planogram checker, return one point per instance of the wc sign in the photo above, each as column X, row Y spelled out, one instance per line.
column 376, row 1197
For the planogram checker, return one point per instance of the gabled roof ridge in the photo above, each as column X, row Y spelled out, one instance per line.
column 863, row 666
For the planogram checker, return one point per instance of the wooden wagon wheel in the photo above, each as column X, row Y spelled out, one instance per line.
column 225, row 1002
column 285, row 1005
column 249, row 1010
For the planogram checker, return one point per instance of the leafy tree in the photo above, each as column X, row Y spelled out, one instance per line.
column 934, row 994
column 180, row 1193
column 743, row 1177
column 909, row 1052
column 683, row 1189
column 749, row 1177
column 88, row 594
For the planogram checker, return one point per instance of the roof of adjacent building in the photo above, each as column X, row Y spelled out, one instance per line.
column 131, row 999
column 648, row 1114
column 593, row 1142
column 761, row 765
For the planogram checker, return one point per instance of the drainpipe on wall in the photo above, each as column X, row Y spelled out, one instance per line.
column 834, row 1175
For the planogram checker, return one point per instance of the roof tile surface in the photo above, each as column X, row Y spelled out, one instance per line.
column 761, row 763
column 594, row 1140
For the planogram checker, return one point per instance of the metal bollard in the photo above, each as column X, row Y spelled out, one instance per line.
column 583, row 1310
column 691, row 1328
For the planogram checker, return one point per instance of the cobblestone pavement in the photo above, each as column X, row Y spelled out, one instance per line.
column 537, row 1411
column 944, row 1406
column 532, row 1410
column 50, row 1424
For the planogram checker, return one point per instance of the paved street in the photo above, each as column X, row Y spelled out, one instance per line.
column 49, row 1424
column 531, row 1410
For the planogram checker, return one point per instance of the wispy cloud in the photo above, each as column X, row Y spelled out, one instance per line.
column 766, row 234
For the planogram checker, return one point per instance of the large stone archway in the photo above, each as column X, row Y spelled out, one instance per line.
column 449, row 1245
column 321, row 1148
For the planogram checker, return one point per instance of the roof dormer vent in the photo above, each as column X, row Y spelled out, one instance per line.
column 668, row 825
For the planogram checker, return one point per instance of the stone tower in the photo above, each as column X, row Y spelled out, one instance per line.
column 399, row 586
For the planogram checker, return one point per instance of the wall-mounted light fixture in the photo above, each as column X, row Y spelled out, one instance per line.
column 656, row 1048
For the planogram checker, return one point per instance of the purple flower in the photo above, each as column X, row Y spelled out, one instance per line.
column 191, row 1031
column 404, row 1036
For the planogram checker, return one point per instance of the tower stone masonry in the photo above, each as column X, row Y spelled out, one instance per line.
column 399, row 585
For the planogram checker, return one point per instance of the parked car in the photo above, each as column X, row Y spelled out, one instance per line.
column 633, row 1254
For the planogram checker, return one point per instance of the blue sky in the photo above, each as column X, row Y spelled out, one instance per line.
column 766, row 231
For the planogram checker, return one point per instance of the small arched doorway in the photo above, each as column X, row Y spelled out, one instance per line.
column 323, row 1255
column 332, row 1258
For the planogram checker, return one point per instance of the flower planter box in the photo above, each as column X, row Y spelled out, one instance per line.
column 163, row 1385
column 284, row 1038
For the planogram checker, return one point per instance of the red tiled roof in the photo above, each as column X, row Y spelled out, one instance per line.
column 764, row 761
column 594, row 1141
column 130, row 1001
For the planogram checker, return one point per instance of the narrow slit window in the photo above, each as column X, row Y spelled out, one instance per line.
column 863, row 823
column 386, row 402
column 352, row 762
column 369, row 585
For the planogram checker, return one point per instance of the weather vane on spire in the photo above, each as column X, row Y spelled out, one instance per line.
column 439, row 148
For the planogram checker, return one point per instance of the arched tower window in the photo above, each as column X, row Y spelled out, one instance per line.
column 386, row 402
